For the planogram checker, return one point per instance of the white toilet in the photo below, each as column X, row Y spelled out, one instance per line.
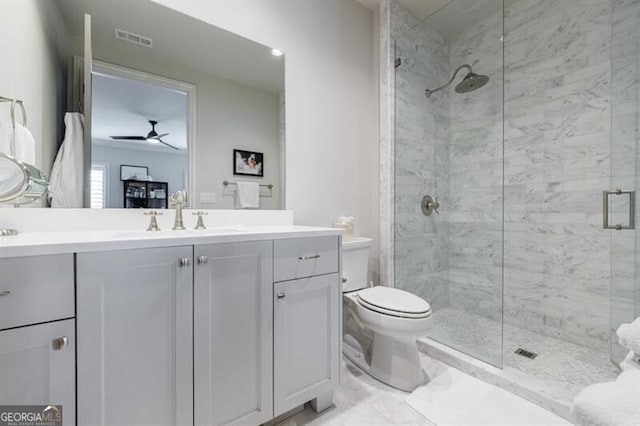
column 381, row 324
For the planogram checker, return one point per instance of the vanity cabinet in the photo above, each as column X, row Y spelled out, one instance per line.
column 233, row 333
column 205, row 334
column 307, row 328
column 37, row 366
column 37, row 332
column 305, row 344
column 134, row 324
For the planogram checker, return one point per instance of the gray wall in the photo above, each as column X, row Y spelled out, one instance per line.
column 33, row 69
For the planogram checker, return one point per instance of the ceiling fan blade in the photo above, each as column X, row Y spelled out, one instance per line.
column 162, row 135
column 130, row 138
column 168, row 144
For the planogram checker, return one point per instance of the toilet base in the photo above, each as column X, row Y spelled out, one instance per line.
column 394, row 362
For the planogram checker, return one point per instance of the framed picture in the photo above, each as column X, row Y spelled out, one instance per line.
column 248, row 163
column 133, row 172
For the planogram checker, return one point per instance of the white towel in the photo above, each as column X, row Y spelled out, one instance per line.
column 248, row 195
column 67, row 174
column 25, row 145
column 629, row 336
column 630, row 362
column 609, row 404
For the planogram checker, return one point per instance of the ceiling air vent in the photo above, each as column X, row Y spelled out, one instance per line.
column 133, row 38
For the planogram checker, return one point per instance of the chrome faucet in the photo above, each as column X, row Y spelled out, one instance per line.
column 177, row 201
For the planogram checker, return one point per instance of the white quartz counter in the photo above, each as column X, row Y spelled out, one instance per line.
column 42, row 243
column 55, row 231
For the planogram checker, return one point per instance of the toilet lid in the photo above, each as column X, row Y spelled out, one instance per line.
column 393, row 301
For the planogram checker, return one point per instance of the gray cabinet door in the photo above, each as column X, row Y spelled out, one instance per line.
column 233, row 346
column 34, row 370
column 306, row 340
column 134, row 322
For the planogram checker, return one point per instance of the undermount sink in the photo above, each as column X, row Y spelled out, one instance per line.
column 168, row 233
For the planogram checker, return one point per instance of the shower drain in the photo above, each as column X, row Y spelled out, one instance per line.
column 525, row 353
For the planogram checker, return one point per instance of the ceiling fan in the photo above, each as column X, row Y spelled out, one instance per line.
column 152, row 136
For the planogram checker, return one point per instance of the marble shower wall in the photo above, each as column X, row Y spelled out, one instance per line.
column 474, row 194
column 421, row 135
column 557, row 163
column 625, row 282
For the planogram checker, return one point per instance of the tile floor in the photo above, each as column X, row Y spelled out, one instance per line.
column 362, row 400
column 557, row 374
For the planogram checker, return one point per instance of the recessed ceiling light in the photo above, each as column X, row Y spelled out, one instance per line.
column 277, row 52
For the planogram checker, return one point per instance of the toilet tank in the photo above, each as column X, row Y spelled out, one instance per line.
column 355, row 262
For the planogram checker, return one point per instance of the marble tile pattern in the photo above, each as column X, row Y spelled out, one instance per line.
column 473, row 199
column 420, row 163
column 567, row 77
column 551, row 380
column 395, row 20
column 362, row 400
column 625, row 116
column 557, row 163
column 385, row 202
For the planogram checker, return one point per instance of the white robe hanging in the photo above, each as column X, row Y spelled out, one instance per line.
column 66, row 184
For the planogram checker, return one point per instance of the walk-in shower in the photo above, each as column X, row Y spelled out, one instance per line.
column 469, row 83
column 516, row 265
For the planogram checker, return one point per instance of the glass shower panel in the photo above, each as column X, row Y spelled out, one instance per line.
column 625, row 157
column 449, row 144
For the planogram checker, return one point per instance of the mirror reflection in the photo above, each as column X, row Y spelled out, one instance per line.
column 173, row 101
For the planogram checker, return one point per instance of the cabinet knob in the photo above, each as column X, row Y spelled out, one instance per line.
column 59, row 343
column 281, row 295
column 202, row 260
column 184, row 262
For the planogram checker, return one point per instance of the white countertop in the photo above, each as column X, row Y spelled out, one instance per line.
column 43, row 243
column 57, row 231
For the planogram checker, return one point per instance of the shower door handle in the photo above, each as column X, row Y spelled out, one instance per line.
column 632, row 209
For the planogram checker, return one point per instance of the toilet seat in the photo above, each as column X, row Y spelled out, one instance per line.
column 393, row 302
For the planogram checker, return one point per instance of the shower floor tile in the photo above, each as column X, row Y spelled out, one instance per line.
column 552, row 379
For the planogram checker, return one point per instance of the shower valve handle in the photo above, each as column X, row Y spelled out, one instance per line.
column 429, row 205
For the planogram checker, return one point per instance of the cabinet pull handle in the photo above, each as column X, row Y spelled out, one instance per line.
column 202, row 260
column 315, row 256
column 5, row 293
column 59, row 343
column 184, row 262
column 281, row 295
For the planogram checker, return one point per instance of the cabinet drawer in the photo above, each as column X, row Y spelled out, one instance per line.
column 304, row 257
column 36, row 289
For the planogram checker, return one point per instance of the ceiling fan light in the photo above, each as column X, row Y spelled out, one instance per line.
column 153, row 140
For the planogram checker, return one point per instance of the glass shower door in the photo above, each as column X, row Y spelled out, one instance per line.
column 449, row 144
column 625, row 159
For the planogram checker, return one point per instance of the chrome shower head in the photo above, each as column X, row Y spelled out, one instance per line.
column 469, row 83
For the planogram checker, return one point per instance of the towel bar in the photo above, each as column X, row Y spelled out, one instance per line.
column 265, row 185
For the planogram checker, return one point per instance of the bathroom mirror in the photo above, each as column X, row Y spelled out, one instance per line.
column 171, row 95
